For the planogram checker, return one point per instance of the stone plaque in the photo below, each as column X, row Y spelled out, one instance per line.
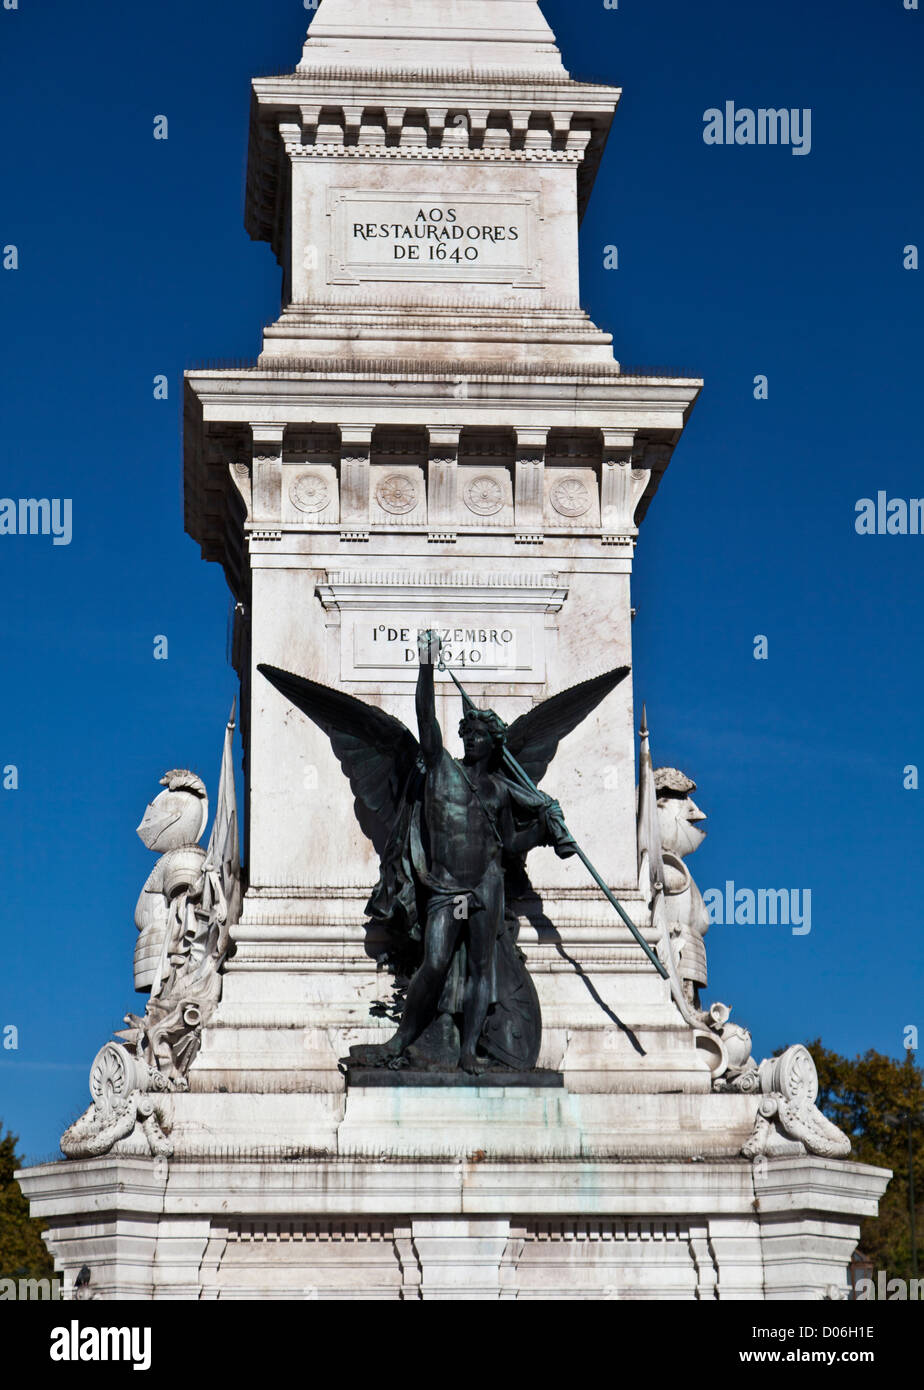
column 421, row 236
column 383, row 646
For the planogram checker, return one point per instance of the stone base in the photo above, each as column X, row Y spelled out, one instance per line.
column 410, row 1076
column 459, row 1229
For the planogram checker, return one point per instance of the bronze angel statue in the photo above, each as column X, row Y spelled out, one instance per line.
column 452, row 837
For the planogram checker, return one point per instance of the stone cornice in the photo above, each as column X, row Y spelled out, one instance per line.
column 264, row 1182
column 453, row 154
column 417, row 370
column 577, row 114
column 362, row 79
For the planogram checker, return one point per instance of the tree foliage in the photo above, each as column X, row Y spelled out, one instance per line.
column 870, row 1099
column 22, row 1251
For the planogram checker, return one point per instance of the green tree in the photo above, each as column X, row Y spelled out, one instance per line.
column 870, row 1098
column 22, row 1251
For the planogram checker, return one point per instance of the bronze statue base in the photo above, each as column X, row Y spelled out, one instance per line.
column 409, row 1076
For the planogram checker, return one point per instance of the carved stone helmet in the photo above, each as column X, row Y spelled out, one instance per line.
column 679, row 817
column 670, row 781
column 178, row 815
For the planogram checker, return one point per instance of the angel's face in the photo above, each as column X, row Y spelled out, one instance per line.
column 476, row 741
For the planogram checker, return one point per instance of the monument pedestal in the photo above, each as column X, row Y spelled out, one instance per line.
column 436, row 436
column 626, row 1182
column 477, row 1226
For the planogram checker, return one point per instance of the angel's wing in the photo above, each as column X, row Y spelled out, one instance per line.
column 534, row 738
column 375, row 750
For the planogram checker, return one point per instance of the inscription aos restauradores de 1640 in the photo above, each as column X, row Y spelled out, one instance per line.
column 480, row 237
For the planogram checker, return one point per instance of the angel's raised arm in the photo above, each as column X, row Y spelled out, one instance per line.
column 431, row 736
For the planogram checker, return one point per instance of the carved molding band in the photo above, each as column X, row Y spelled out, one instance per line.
column 459, row 590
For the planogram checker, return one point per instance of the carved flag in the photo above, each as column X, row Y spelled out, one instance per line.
column 223, row 856
column 649, row 834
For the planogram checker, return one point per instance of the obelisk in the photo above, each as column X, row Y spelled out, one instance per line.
column 436, row 435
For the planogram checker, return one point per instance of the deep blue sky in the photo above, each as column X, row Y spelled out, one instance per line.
column 733, row 262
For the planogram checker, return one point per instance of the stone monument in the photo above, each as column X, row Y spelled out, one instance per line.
column 434, row 473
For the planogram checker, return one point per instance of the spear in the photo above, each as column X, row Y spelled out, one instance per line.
column 522, row 776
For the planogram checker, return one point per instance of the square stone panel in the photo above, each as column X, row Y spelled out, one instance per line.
column 398, row 495
column 310, row 493
column 571, row 497
column 485, row 496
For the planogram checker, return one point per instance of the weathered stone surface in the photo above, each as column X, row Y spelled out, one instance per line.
column 347, row 1228
column 445, row 441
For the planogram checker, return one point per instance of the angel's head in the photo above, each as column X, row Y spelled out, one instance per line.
column 483, row 735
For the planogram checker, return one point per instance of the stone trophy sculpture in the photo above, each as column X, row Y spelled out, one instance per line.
column 669, row 829
column 681, row 834
column 453, row 861
column 172, row 826
column 184, row 913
